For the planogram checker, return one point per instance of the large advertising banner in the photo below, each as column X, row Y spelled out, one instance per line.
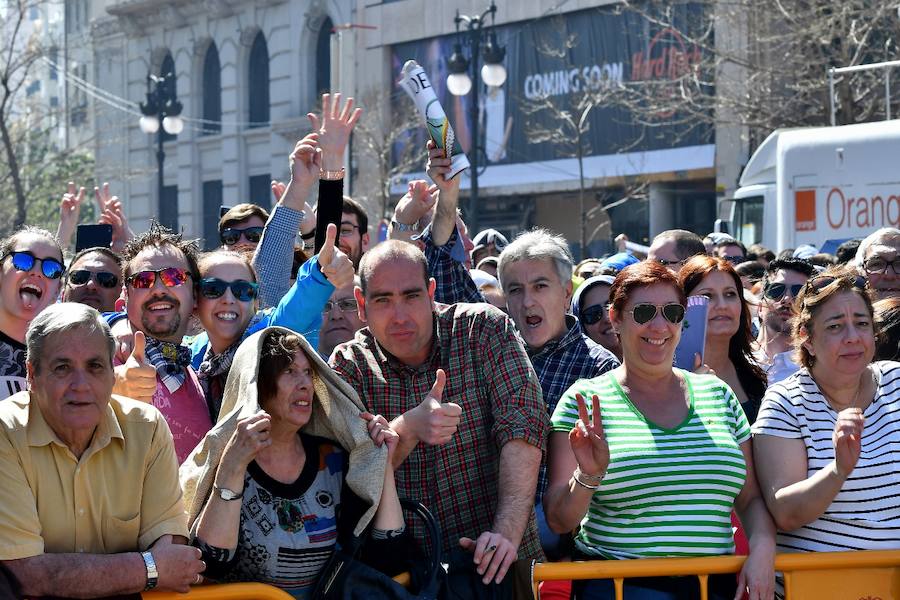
column 556, row 59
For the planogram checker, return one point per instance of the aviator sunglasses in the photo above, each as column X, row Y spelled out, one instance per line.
column 243, row 291
column 170, row 277
column 24, row 261
column 645, row 312
column 103, row 278
column 776, row 291
column 232, row 236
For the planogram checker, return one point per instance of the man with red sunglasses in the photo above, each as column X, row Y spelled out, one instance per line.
column 782, row 282
column 161, row 277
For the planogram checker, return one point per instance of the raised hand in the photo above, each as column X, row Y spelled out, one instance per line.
column 179, row 565
column 335, row 265
column 112, row 212
column 136, row 378
column 587, row 440
column 438, row 167
column 436, row 422
column 308, row 223
column 251, row 435
column 846, row 437
column 69, row 210
column 334, row 129
column 418, row 201
column 493, row 553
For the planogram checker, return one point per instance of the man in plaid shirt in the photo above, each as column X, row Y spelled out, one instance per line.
column 458, row 388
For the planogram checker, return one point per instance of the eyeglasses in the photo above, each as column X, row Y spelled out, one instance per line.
column 592, row 314
column 232, row 236
column 817, row 284
column 735, row 260
column 103, row 278
column 347, row 229
column 24, row 261
column 345, row 305
column 876, row 264
column 776, row 291
column 171, row 277
column 643, row 313
column 243, row 291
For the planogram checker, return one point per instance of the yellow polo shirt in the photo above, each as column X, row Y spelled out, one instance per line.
column 121, row 496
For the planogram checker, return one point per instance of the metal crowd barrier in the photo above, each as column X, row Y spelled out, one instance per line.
column 869, row 575
column 224, row 591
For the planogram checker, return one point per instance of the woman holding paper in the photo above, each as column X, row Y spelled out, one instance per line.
column 648, row 460
column 728, row 349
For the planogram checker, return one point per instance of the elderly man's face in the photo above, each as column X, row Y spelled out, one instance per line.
column 73, row 383
column 882, row 266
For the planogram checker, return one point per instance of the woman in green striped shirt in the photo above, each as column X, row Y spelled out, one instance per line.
column 653, row 465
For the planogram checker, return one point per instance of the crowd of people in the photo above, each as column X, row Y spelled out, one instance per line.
column 171, row 417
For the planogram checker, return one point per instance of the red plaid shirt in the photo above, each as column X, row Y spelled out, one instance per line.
column 490, row 377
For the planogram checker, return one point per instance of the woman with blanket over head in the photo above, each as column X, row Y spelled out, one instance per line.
column 289, row 470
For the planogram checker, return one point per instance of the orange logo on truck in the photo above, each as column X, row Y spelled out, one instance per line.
column 805, row 216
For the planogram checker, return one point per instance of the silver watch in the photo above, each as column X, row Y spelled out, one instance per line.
column 152, row 573
column 228, row 495
column 404, row 227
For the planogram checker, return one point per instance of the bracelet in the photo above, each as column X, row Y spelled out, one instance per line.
column 309, row 245
column 308, row 236
column 404, row 227
column 591, row 482
column 331, row 175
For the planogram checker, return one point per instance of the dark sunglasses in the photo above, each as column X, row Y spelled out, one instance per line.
column 346, row 305
column 817, row 284
column 213, row 287
column 879, row 265
column 776, row 291
column 24, row 261
column 103, row 278
column 645, row 312
column 592, row 314
column 232, row 236
column 171, row 277
column 735, row 260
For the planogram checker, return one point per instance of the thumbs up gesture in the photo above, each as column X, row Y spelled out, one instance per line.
column 136, row 378
column 436, row 421
column 334, row 264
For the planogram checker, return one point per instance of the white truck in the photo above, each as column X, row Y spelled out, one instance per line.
column 819, row 186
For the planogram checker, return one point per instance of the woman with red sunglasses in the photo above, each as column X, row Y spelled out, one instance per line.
column 648, row 460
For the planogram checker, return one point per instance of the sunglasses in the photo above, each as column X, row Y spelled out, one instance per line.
column 880, row 265
column 735, row 260
column 346, row 305
column 24, row 261
column 592, row 314
column 817, row 284
column 170, row 277
column 776, row 291
column 243, row 291
column 643, row 313
column 103, row 278
column 232, row 236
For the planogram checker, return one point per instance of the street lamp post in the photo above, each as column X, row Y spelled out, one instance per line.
column 161, row 115
column 460, row 83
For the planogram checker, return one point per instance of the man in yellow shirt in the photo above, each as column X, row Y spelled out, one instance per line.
column 90, row 503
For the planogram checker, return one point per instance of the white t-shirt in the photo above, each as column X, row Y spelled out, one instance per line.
column 865, row 514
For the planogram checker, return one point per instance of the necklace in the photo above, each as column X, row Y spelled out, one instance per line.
column 856, row 403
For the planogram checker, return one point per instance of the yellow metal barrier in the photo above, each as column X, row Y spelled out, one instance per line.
column 224, row 591
column 870, row 575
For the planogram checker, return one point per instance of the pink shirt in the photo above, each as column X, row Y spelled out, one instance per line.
column 185, row 412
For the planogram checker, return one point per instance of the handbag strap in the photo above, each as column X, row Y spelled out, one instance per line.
column 433, row 531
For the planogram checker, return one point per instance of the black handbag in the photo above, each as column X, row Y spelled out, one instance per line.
column 345, row 577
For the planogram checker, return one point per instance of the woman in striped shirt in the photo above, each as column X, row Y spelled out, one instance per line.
column 654, row 463
column 827, row 439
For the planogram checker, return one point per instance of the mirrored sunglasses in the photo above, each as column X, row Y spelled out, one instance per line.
column 25, row 261
column 645, row 312
column 232, row 235
column 103, row 278
column 170, row 277
column 243, row 291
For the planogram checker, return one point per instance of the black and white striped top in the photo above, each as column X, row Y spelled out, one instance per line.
column 865, row 515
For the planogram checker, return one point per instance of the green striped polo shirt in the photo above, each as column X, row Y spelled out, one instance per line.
column 667, row 492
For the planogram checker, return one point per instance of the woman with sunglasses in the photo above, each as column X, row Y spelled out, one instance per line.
column 648, row 460
column 589, row 304
column 729, row 350
column 31, row 271
column 827, row 440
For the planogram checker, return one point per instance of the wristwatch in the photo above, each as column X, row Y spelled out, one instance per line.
column 152, row 573
column 228, row 495
column 404, row 227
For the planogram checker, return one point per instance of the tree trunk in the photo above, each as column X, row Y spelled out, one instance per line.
column 19, row 221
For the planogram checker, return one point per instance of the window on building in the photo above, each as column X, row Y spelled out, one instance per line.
column 212, row 91
column 168, row 66
column 53, row 56
column 261, row 190
column 33, row 88
column 34, row 13
column 323, row 59
column 168, row 207
column 258, row 80
column 212, row 200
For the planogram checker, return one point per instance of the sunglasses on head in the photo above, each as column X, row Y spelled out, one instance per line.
column 645, row 312
column 817, row 284
column 24, row 261
column 170, row 277
column 213, row 287
column 592, row 314
column 103, row 278
column 876, row 264
column 232, row 235
column 776, row 291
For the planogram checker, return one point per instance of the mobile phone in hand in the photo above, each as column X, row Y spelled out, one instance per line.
column 93, row 236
